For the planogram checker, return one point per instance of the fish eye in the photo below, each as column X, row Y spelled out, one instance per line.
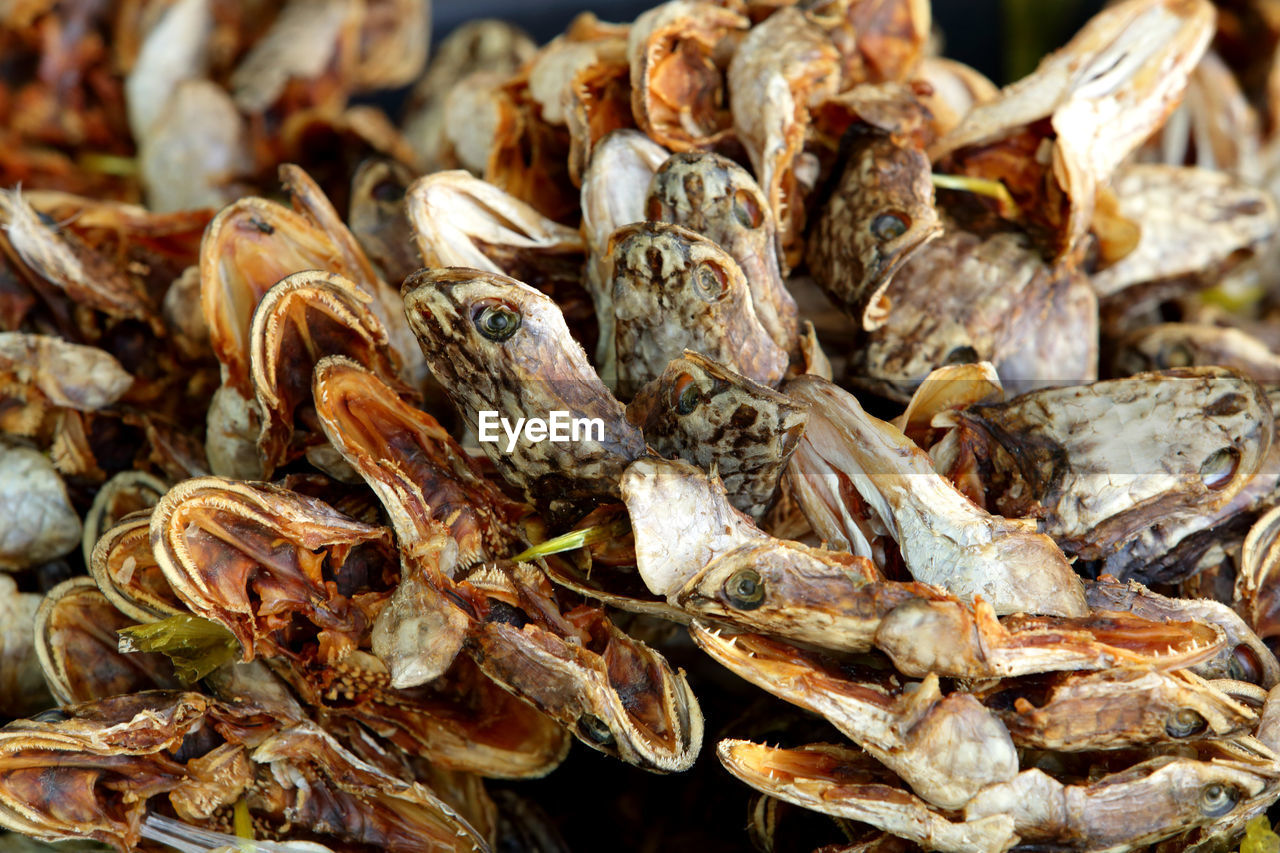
column 747, row 210
column 1217, row 799
column 711, row 282
column 1218, row 469
column 388, row 191
column 497, row 321
column 964, row 354
column 1244, row 665
column 1176, row 355
column 890, row 225
column 744, row 589
column 684, row 394
column 1185, row 722
column 594, row 729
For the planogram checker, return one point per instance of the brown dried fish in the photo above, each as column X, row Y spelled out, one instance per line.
column 943, row 538
column 78, row 648
column 498, row 345
column 715, row 197
column 705, row 413
column 674, row 290
column 677, row 87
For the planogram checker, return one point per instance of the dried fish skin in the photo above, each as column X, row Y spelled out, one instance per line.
column 1203, row 434
column 580, row 669
column 378, row 219
column 675, row 290
column 715, row 197
column 705, row 413
column 672, row 51
column 952, row 543
column 78, row 648
column 67, row 262
column 497, row 344
column 22, row 682
column 39, row 522
column 462, row 221
column 195, row 152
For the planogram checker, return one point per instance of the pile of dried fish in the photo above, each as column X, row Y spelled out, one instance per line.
column 370, row 464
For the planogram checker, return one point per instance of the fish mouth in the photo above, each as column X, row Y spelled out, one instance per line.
column 888, row 262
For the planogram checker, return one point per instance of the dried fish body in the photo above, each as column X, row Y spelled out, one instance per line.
column 1215, row 126
column 673, row 49
column 1244, row 657
column 1104, row 93
column 1078, row 471
column 1166, row 346
column 66, row 262
column 254, row 557
column 39, row 522
column 1145, row 803
column 946, row 749
column 196, row 151
column 414, row 466
column 707, row 414
column 303, row 317
column 878, row 216
column 1116, row 708
column 943, row 538
column 578, row 668
column 22, row 681
column 675, row 290
column 78, row 648
column 41, row 371
column 126, row 571
column 496, row 344
column 782, row 67
column 489, row 46
column 964, row 298
column 682, row 520
column 715, row 197
column 837, row 780
column 378, row 219
column 613, row 195
column 462, row 221
column 1196, row 224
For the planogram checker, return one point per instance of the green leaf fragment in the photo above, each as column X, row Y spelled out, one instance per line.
column 195, row 646
column 576, row 539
